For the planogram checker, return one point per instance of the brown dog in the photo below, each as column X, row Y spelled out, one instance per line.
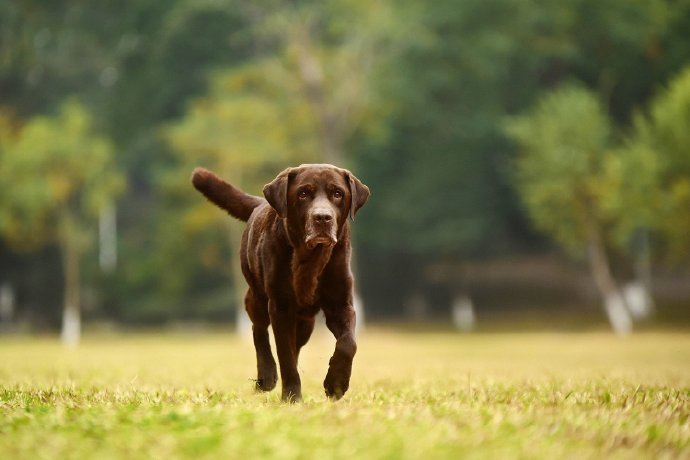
column 295, row 256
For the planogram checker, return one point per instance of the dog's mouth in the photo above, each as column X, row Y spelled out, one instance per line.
column 325, row 240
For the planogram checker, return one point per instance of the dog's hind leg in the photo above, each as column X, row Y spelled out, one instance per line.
column 267, row 374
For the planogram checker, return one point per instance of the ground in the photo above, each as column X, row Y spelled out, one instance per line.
column 413, row 395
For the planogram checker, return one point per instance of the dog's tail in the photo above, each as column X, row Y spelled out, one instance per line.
column 237, row 203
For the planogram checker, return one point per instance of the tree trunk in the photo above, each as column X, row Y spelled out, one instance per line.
column 107, row 238
column 462, row 311
column 614, row 302
column 312, row 77
column 71, row 315
column 639, row 292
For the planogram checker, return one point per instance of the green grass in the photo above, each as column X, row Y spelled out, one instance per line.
column 413, row 395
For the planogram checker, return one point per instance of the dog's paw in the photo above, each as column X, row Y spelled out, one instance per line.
column 292, row 394
column 336, row 384
column 267, row 380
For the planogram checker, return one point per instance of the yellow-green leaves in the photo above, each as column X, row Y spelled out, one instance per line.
column 564, row 142
column 665, row 135
column 569, row 167
column 54, row 168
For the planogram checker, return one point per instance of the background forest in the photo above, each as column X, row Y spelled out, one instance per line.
column 528, row 159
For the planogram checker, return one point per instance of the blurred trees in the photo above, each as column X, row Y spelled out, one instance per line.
column 586, row 190
column 561, row 177
column 245, row 128
column 58, row 175
column 443, row 171
column 660, row 144
column 412, row 95
column 134, row 64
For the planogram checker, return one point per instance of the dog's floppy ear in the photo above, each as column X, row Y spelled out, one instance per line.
column 276, row 192
column 360, row 193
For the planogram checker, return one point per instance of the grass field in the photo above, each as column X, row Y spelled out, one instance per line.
column 413, row 395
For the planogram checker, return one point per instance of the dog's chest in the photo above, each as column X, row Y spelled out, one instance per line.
column 306, row 278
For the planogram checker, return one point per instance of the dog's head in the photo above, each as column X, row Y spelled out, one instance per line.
column 316, row 200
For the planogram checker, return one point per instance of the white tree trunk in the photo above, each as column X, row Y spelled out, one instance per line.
column 71, row 326
column 71, row 314
column 243, row 325
column 618, row 314
column 614, row 302
column 359, row 311
column 638, row 293
column 464, row 318
column 638, row 300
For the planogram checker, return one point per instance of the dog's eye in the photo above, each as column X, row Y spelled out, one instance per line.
column 337, row 194
column 302, row 194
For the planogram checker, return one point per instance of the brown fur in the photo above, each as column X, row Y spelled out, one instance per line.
column 295, row 256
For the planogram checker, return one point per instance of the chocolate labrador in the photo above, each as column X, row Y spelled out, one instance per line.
column 295, row 256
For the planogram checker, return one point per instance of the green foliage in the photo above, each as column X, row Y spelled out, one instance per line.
column 664, row 137
column 166, row 51
column 247, row 122
column 479, row 396
column 630, row 196
column 571, row 170
column 466, row 66
column 325, row 58
column 59, row 174
column 429, row 173
column 565, row 140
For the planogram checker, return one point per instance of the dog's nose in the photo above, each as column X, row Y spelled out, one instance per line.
column 322, row 216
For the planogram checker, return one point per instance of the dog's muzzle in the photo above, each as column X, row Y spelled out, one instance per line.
column 321, row 228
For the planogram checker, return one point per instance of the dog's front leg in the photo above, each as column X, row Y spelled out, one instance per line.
column 284, row 323
column 341, row 323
